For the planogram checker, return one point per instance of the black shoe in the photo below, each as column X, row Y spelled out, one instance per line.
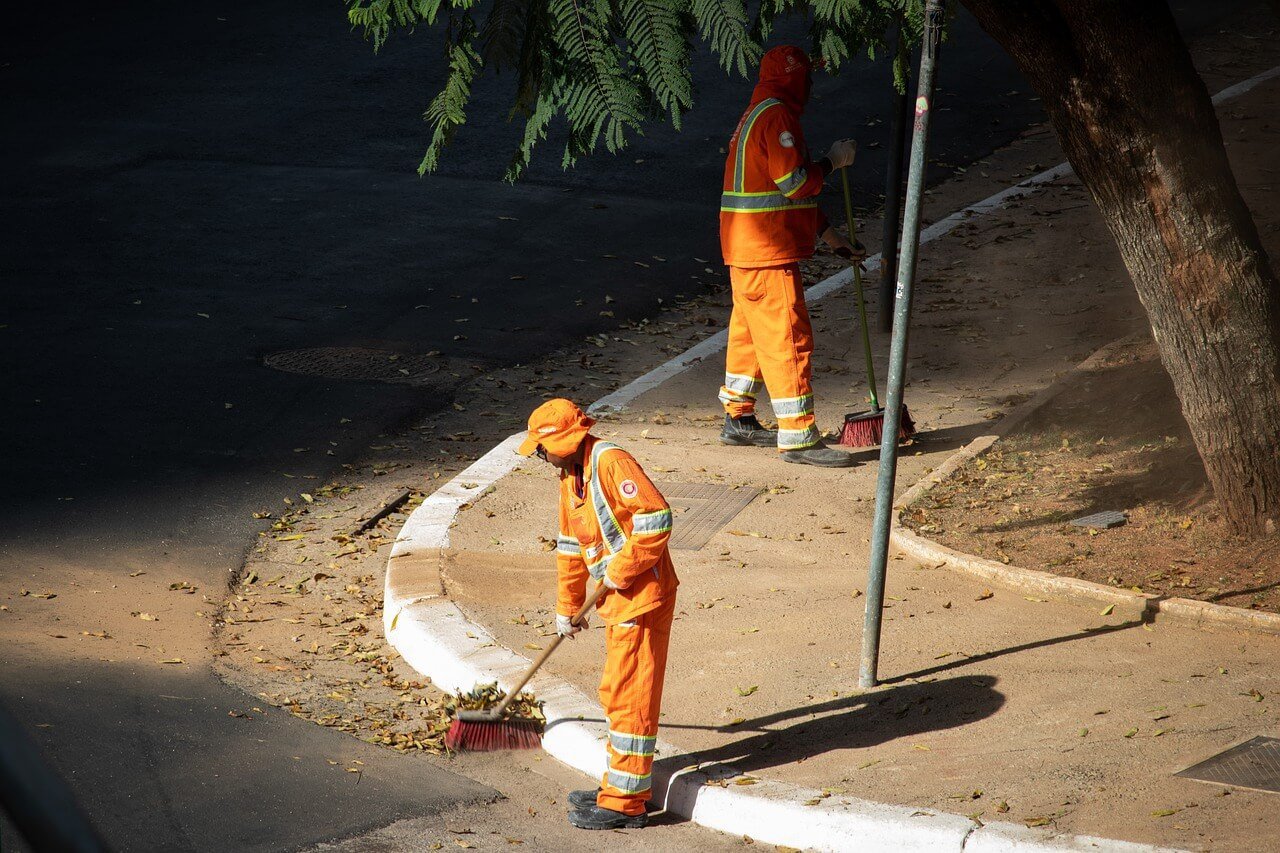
column 747, row 431
column 598, row 818
column 821, row 456
column 583, row 799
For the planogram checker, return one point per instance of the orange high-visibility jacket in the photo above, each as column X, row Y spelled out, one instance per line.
column 619, row 525
column 768, row 211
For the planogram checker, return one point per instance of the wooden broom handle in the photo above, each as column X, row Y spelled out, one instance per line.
column 595, row 596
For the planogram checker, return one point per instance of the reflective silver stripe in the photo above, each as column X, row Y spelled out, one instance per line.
column 614, row 538
column 568, row 545
column 626, row 744
column 598, row 568
column 792, row 407
column 762, row 202
column 747, row 385
column 797, row 439
column 629, row 783
column 793, row 181
column 651, row 522
column 740, row 158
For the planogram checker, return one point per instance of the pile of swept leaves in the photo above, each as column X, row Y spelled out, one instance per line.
column 486, row 696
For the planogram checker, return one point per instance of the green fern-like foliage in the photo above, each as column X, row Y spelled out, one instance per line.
column 448, row 111
column 607, row 68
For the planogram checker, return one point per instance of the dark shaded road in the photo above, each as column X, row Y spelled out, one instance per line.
column 188, row 188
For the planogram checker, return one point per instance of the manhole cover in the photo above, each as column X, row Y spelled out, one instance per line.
column 1102, row 520
column 356, row 363
column 701, row 510
column 1253, row 764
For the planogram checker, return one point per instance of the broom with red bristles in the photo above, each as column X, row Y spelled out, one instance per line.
column 488, row 731
column 866, row 429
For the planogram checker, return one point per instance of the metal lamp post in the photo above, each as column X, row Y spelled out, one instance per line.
column 934, row 14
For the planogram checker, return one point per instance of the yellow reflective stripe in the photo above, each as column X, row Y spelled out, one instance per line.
column 797, row 439
column 599, row 567
column 614, row 538
column 739, row 165
column 792, row 181
column 767, row 209
column 740, row 384
column 762, row 202
column 792, row 407
column 629, row 783
column 651, row 522
column 625, row 744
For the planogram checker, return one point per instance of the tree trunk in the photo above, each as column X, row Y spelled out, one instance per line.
column 1139, row 129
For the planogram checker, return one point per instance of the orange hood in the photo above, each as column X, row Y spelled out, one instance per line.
column 784, row 74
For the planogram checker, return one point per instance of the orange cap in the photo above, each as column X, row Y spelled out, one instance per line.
column 558, row 425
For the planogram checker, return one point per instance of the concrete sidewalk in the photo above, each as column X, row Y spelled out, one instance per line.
column 997, row 707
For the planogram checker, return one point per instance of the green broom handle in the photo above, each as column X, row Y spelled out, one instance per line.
column 857, row 286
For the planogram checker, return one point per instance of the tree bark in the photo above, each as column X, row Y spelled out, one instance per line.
column 1138, row 127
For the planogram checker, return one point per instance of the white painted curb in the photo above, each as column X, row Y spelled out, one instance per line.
column 436, row 638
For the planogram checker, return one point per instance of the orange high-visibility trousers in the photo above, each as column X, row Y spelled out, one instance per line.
column 631, row 693
column 771, row 343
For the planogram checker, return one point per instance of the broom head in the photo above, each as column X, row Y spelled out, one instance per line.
column 480, row 731
column 866, row 429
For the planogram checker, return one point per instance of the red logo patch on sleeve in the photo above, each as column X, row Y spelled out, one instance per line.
column 628, row 488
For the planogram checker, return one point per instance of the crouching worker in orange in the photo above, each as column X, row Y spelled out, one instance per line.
column 769, row 221
column 614, row 527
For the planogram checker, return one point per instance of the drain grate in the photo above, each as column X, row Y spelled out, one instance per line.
column 1253, row 764
column 702, row 509
column 356, row 363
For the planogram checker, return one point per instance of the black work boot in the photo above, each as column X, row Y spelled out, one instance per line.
column 598, row 818
column 745, row 431
column 821, row 456
column 583, row 799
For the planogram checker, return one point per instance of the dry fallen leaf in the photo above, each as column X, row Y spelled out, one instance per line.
column 747, row 691
column 986, row 593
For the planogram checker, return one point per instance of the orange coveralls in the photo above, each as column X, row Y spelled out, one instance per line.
column 614, row 520
column 769, row 220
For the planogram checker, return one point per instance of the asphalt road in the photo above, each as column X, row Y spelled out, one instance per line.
column 189, row 188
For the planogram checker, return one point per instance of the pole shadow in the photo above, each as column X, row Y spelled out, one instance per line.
column 853, row 722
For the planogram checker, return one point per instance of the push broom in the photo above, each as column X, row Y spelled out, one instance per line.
column 866, row 429
column 488, row 731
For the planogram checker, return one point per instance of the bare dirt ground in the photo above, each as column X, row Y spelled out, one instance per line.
column 1116, row 441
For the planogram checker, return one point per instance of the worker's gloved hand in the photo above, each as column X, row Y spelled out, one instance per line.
column 855, row 252
column 566, row 628
column 842, row 152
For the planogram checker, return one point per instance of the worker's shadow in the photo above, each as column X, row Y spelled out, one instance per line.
column 849, row 723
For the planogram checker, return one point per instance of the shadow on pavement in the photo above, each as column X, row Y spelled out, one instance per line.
column 853, row 722
column 1021, row 647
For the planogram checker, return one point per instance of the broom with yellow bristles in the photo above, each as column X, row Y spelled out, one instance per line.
column 866, row 429
column 492, row 730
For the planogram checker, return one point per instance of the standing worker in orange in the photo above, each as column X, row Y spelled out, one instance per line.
column 614, row 527
column 769, row 221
